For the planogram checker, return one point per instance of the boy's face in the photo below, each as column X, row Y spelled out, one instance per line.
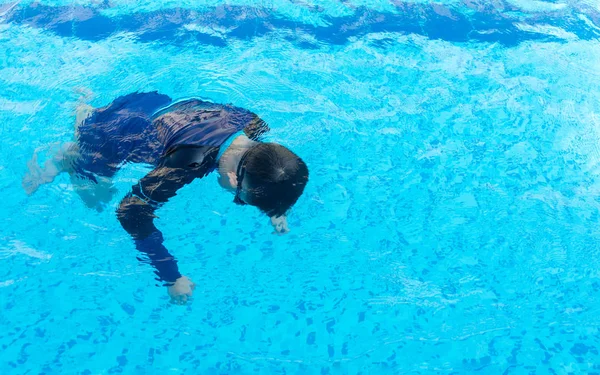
column 279, row 224
column 232, row 185
column 231, row 182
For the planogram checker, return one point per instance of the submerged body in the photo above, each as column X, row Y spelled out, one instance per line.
column 182, row 141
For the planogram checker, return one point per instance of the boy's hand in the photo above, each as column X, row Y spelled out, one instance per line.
column 181, row 291
column 280, row 224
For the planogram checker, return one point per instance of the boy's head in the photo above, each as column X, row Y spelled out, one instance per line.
column 271, row 177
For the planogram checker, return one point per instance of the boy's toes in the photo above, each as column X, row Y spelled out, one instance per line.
column 29, row 184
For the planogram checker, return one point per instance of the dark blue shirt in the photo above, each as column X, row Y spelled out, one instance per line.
column 182, row 142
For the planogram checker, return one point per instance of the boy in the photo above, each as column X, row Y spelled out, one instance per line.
column 183, row 141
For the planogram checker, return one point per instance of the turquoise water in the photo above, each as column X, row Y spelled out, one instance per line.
column 450, row 224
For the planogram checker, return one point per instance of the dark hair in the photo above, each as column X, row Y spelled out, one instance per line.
column 275, row 176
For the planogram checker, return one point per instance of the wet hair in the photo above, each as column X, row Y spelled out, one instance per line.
column 275, row 178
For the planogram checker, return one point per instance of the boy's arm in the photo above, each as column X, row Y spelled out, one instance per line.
column 137, row 210
column 256, row 128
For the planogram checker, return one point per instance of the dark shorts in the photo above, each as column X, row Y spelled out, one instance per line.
column 120, row 133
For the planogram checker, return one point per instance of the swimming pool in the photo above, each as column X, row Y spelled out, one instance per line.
column 450, row 224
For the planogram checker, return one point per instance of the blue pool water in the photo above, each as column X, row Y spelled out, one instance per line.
column 450, row 224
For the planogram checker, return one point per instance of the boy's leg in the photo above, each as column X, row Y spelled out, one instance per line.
column 58, row 163
column 94, row 195
column 81, row 114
